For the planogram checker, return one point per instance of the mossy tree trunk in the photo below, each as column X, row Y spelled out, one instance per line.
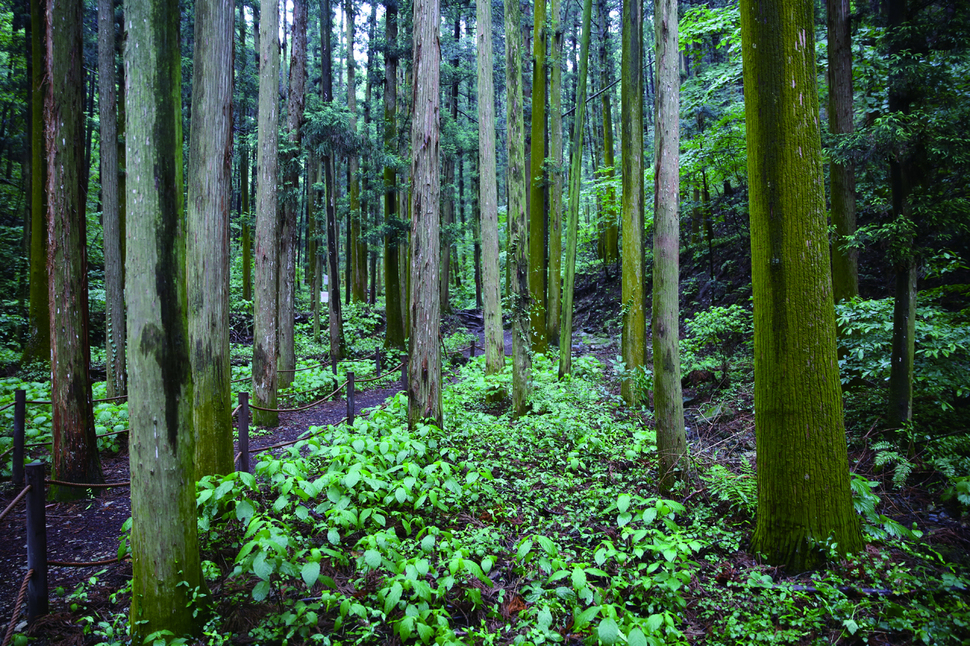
column 394, row 313
column 668, row 396
column 845, row 261
column 804, row 498
column 114, row 261
column 518, row 247
column 554, row 309
column 537, row 182
column 611, row 232
column 244, row 170
column 291, row 197
column 166, row 570
column 488, row 195
column 38, row 345
column 631, row 152
column 357, row 248
column 207, row 245
column 75, row 452
column 424, row 356
column 448, row 195
column 266, row 299
column 575, row 181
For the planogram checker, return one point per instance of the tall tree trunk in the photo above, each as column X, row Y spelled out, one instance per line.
column 631, row 109
column 424, row 358
column 575, row 181
column 554, row 310
column 804, row 499
column 75, row 453
column 335, row 315
column 394, row 313
column 313, row 247
column 207, row 244
column 265, row 302
column 291, row 196
column 611, row 231
column 244, row 171
column 38, row 345
column 166, row 571
column 668, row 398
column 518, row 228
column 537, row 182
column 448, row 189
column 357, row 249
column 488, row 195
column 845, row 262
column 903, row 355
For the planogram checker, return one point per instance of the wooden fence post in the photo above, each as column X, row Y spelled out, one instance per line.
column 377, row 361
column 19, row 431
column 404, row 374
column 244, row 432
column 36, row 542
column 473, row 349
column 350, row 399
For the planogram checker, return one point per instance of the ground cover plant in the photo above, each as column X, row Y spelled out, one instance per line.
column 542, row 529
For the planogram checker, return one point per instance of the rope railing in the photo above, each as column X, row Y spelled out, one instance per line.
column 16, row 607
column 117, row 559
column 88, row 485
column 3, row 408
column 13, row 503
column 301, row 408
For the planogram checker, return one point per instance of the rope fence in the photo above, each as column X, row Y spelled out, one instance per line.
column 16, row 607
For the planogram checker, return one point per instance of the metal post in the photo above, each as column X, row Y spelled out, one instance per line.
column 36, row 542
column 19, row 430
column 350, row 399
column 244, row 432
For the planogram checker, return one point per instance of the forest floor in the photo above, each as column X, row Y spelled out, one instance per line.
column 557, row 484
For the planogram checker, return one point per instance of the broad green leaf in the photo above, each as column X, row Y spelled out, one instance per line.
column 544, row 619
column 261, row 568
column 244, row 510
column 623, row 502
column 352, row 479
column 261, row 590
column 310, row 573
column 579, row 578
column 636, row 638
column 393, row 596
column 583, row 619
column 654, row 622
column 372, row 558
column 333, row 535
column 608, row 632
column 524, row 548
column 427, row 543
column 425, row 632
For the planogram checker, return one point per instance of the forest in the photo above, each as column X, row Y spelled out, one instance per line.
column 600, row 322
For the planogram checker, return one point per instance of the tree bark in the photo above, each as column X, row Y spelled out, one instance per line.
column 335, row 316
column 291, row 197
column 845, row 262
column 537, row 181
column 804, row 498
column 488, row 196
column 518, row 253
column 38, row 345
column 358, row 248
column 424, row 371
column 554, row 291
column 668, row 397
column 166, row 571
column 207, row 244
column 75, row 452
column 631, row 108
column 611, row 230
column 266, row 298
column 392, row 278
column 575, row 181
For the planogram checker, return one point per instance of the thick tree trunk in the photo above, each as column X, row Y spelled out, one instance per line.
column 245, row 209
column 166, row 572
column 394, row 313
column 38, row 345
column 207, row 244
column 575, row 181
column 265, row 305
column 518, row 229
column 804, row 499
column 357, row 249
column 537, row 181
column 75, row 453
column 488, row 195
column 668, row 398
column 845, row 262
column 335, row 316
column 631, row 109
column 611, row 231
column 424, row 359
column 554, row 310
column 114, row 260
column 448, row 189
column 291, row 197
